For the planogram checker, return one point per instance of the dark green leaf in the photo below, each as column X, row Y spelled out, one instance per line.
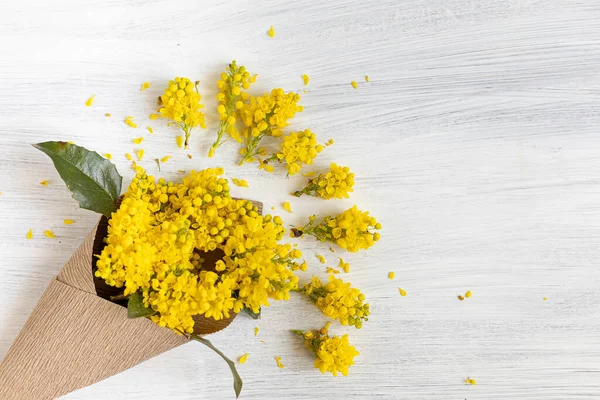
column 135, row 307
column 252, row 313
column 92, row 179
column 237, row 380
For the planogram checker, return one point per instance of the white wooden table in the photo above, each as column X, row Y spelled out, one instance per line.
column 476, row 143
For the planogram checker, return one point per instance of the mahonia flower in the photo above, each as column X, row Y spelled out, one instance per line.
column 181, row 104
column 338, row 300
column 337, row 183
column 334, row 354
column 266, row 115
column 68, row 222
column 297, row 149
column 156, row 236
column 352, row 230
column 230, row 98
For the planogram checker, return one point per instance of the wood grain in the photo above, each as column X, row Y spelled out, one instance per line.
column 476, row 144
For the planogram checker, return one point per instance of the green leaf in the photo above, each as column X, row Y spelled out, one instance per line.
column 135, row 307
column 252, row 313
column 92, row 179
column 237, row 380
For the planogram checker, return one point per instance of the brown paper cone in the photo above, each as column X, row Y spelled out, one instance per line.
column 75, row 338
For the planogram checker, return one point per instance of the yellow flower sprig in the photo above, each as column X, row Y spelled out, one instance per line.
column 266, row 115
column 337, row 183
column 333, row 354
column 181, row 104
column 352, row 230
column 338, row 300
column 230, row 98
column 297, row 149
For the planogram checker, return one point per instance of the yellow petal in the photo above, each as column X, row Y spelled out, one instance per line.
column 128, row 156
column 140, row 154
column 44, row 183
column 145, row 86
column 287, row 207
column 69, row 222
column 354, row 84
column 279, row 363
column 179, row 141
column 468, row 294
column 391, row 275
column 90, row 101
column 108, row 155
column 366, row 78
column 165, row 159
column 244, row 358
column 545, row 298
column 49, row 234
column 29, row 234
column 309, row 174
column 138, row 140
column 402, row 292
column 306, row 79
column 321, row 259
column 271, row 32
column 154, row 116
column 150, row 129
column 130, row 123
column 107, row 115
column 256, row 330
column 240, row 182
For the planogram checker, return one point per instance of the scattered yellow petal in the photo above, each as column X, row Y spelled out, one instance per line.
column 391, row 275
column 273, row 207
column 154, row 116
column 190, row 156
column 287, row 207
column 107, row 115
column 306, row 79
column 181, row 171
column 90, row 101
column 545, row 298
column 69, row 222
column 321, row 259
column 128, row 156
column 179, row 141
column 44, row 183
column 165, row 159
column 279, row 363
column 240, row 182
column 366, row 78
column 354, row 84
column 108, row 155
column 145, row 86
column 138, row 140
column 150, row 129
column 468, row 294
column 470, row 381
column 29, row 234
column 271, row 32
column 49, row 234
column 244, row 358
column 331, row 249
column 329, row 142
column 309, row 174
column 256, row 330
column 330, row 270
column 461, row 297
column 130, row 123
column 402, row 291
column 140, row 154
column 344, row 265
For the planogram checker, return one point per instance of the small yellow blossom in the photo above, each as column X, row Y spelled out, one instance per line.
column 287, row 207
column 128, row 156
column 297, row 149
column 145, row 86
column 330, row 270
column 244, row 358
column 256, row 330
column 29, row 234
column 402, row 291
column 279, row 363
column 306, row 79
column 190, row 156
column 391, row 275
column 240, row 182
column 49, row 234
column 354, row 84
column 108, row 156
column 165, row 159
column 271, row 32
column 344, row 265
column 140, row 154
column 69, row 222
column 130, row 123
column 321, row 259
column 329, row 142
column 150, row 130
column 470, row 381
column 366, row 78
column 337, row 183
column 90, row 101
column 468, row 294
column 333, row 354
column 138, row 140
column 154, row 116
column 179, row 141
column 107, row 115
column 44, row 182
column 545, row 298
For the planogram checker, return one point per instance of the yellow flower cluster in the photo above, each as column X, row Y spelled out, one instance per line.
column 352, row 230
column 230, row 98
column 297, row 149
column 266, row 115
column 338, row 300
column 156, row 238
column 181, row 104
column 337, row 183
column 334, row 354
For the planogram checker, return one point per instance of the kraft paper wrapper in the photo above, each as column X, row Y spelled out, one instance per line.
column 75, row 338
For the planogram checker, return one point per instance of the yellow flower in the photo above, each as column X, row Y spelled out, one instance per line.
column 138, row 140
column 154, row 116
column 145, row 86
column 354, row 84
column 90, row 101
column 321, row 259
column 107, row 115
column 130, row 123
column 244, row 358
column 29, row 234
column 256, row 330
column 69, row 222
column 271, row 32
column 108, row 156
column 279, row 363
column 391, row 275
column 402, row 292
column 230, row 96
column 181, row 104
column 150, row 129
column 44, row 182
column 49, row 234
column 140, row 154
column 470, row 381
column 128, row 156
column 287, row 207
column 334, row 354
column 297, row 149
column 366, row 78
column 306, row 79
column 240, row 182
column 468, row 294
column 165, row 159
column 309, row 174
column 337, row 183
column 344, row 265
column 338, row 300
column 329, row 142
column 330, row 270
